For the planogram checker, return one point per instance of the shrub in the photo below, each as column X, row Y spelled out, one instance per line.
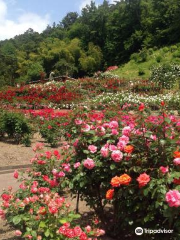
column 176, row 54
column 125, row 162
column 141, row 72
column 158, row 59
column 166, row 75
column 15, row 126
column 134, row 57
column 142, row 56
column 165, row 49
column 51, row 131
column 173, row 48
column 37, row 210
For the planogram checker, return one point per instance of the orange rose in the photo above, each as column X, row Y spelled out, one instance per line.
column 128, row 149
column 110, row 194
column 125, row 179
column 176, row 154
column 115, row 182
column 143, row 179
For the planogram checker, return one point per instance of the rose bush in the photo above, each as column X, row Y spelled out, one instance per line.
column 37, row 209
column 127, row 161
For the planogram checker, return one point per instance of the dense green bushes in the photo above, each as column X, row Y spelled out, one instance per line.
column 15, row 126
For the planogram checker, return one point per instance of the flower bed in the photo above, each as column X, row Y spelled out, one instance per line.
column 125, row 166
column 128, row 99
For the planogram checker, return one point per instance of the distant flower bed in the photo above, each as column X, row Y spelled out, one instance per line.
column 128, row 99
column 39, row 95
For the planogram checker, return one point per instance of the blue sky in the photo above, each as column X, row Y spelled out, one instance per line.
column 16, row 16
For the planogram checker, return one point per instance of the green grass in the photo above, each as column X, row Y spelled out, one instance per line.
column 141, row 68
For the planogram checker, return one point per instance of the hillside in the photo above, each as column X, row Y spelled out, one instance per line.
column 141, row 63
column 99, row 37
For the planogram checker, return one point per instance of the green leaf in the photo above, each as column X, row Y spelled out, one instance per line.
column 42, row 224
column 63, row 220
column 16, row 220
column 34, row 234
column 168, row 120
column 82, row 184
column 112, row 166
column 71, row 185
column 146, row 191
column 47, row 233
column 86, row 151
column 74, row 216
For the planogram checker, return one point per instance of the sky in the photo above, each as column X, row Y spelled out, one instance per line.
column 17, row 16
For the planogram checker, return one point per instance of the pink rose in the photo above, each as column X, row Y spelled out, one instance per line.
column 153, row 137
column 176, row 161
column 34, row 189
column 52, row 209
column 164, row 169
column 173, row 198
column 16, row 174
column 77, row 231
column 112, row 147
column 114, row 132
column 126, row 131
column 116, row 156
column 88, row 228
column 113, row 124
column 143, row 179
column 76, row 143
column 99, row 232
column 85, row 128
column 18, row 233
column 89, row 163
column 66, row 167
column 92, row 148
column 61, row 174
column 76, row 165
column 54, row 172
column 106, row 125
column 78, row 121
column 124, row 138
column 101, row 131
column 121, row 144
column 22, row 186
column 104, row 151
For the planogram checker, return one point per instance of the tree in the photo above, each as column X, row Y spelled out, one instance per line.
column 69, row 20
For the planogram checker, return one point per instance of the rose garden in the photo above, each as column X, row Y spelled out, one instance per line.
column 116, row 147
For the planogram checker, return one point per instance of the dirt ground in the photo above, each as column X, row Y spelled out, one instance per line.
column 12, row 154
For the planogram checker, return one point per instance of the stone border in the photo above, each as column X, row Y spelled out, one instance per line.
column 10, row 169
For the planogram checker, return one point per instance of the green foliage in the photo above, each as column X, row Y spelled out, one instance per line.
column 69, row 19
column 158, row 59
column 141, row 72
column 16, row 127
column 50, row 131
column 107, row 34
column 165, row 75
column 34, row 71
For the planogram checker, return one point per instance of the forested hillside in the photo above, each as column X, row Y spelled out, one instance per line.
column 100, row 36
